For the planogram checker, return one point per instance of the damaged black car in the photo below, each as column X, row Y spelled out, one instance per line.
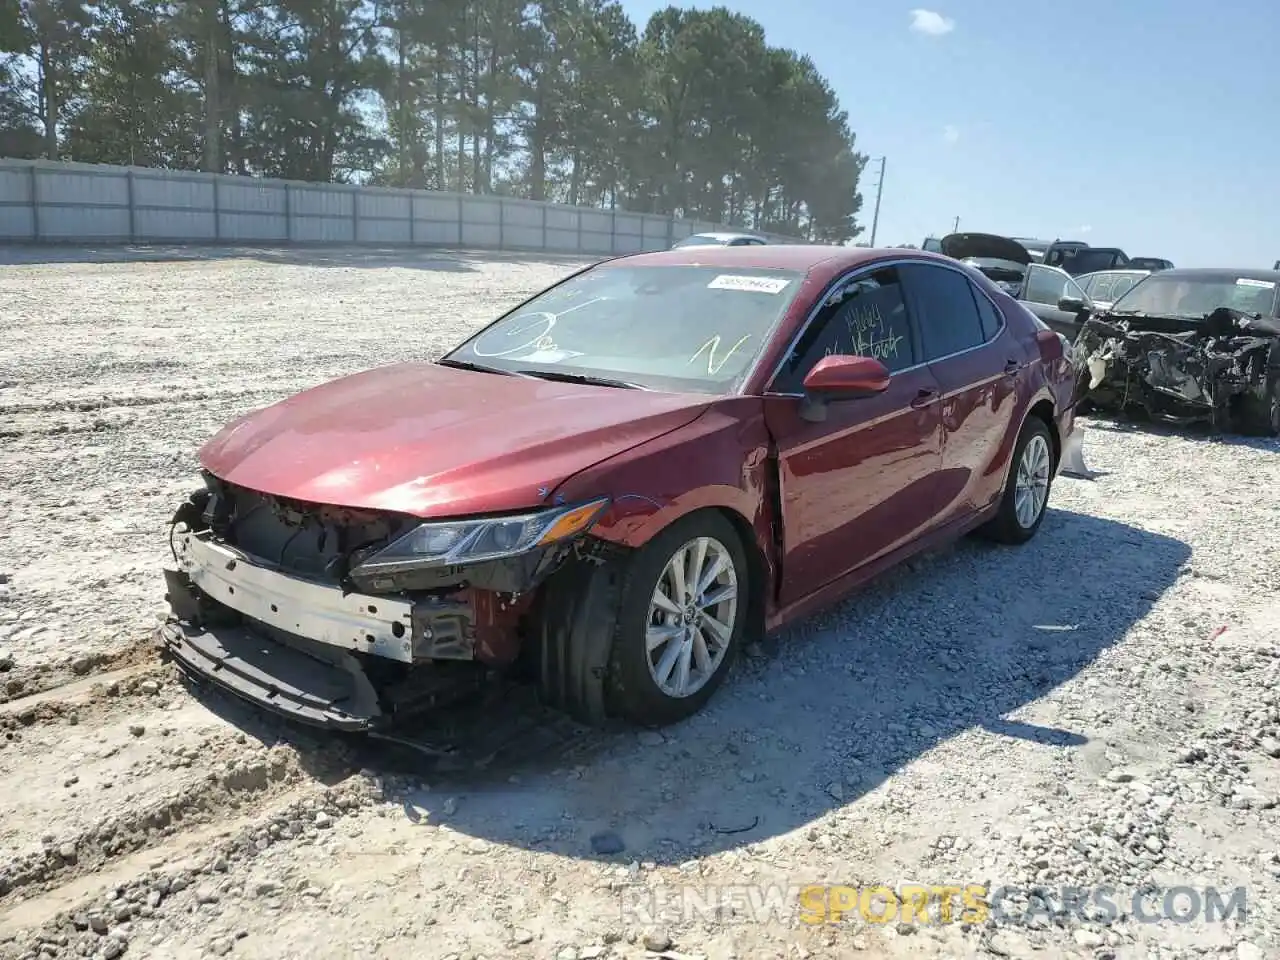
column 1188, row 346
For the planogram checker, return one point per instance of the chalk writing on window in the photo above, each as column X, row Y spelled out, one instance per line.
column 867, row 335
column 710, row 348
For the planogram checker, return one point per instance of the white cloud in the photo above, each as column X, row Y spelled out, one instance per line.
column 931, row 22
column 1084, row 229
column 950, row 134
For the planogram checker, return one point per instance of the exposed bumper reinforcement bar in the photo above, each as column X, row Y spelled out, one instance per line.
column 332, row 692
column 382, row 626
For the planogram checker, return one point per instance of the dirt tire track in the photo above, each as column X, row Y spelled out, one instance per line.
column 24, row 929
column 44, row 679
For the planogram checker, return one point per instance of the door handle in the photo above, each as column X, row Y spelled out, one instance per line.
column 923, row 399
column 1012, row 367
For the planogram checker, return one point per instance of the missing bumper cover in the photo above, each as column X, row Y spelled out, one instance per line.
column 395, row 629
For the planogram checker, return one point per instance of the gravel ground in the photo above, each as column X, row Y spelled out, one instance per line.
column 1098, row 708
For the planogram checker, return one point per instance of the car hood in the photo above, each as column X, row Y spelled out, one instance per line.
column 429, row 441
column 962, row 246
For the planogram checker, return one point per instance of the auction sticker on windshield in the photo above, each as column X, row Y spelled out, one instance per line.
column 1246, row 282
column 728, row 281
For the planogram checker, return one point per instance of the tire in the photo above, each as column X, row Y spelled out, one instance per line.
column 1262, row 414
column 632, row 690
column 1006, row 527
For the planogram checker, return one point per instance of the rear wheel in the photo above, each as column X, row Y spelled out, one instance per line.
column 1026, row 491
column 680, row 623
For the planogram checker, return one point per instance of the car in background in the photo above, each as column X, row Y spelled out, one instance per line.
column 720, row 240
column 1091, row 260
column 1047, row 292
column 1051, row 252
column 1001, row 259
column 1107, row 286
column 614, row 486
column 1056, row 298
column 1152, row 264
column 931, row 245
column 1187, row 346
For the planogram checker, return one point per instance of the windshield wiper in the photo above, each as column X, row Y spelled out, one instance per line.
column 583, row 378
column 479, row 367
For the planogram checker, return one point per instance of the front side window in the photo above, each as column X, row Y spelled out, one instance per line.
column 948, row 314
column 668, row 327
column 1048, row 286
column 865, row 318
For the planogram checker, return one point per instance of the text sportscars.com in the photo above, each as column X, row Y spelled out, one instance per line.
column 930, row 904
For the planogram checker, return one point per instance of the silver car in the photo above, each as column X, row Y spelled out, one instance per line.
column 720, row 240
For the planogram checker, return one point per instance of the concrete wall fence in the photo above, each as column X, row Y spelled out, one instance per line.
column 54, row 202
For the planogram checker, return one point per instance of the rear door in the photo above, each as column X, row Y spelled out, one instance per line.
column 1042, row 288
column 861, row 482
column 977, row 362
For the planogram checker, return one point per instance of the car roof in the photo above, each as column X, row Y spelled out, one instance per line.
column 1099, row 273
column 776, row 256
column 1221, row 273
column 718, row 235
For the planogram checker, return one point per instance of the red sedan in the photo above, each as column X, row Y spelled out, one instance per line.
column 617, row 484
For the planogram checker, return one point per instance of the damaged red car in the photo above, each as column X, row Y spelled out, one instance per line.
column 616, row 485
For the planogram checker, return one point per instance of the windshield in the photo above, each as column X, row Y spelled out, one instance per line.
column 1191, row 297
column 684, row 328
column 932, row 245
column 700, row 240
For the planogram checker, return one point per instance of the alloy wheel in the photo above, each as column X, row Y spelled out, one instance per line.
column 692, row 616
column 1031, row 488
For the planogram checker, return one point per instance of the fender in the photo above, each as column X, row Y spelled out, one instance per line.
column 720, row 460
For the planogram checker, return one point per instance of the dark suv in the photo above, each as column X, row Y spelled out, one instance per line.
column 1091, row 260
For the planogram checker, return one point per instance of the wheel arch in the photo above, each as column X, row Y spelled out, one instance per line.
column 1043, row 409
column 760, row 569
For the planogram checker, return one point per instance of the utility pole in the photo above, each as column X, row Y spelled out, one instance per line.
column 955, row 227
column 875, row 218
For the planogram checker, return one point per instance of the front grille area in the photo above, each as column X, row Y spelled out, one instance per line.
column 309, row 540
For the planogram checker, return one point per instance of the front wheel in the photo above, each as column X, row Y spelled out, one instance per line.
column 1026, row 491
column 680, row 621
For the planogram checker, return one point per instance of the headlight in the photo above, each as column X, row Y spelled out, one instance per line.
column 451, row 543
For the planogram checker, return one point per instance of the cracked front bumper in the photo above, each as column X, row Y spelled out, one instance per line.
column 319, row 687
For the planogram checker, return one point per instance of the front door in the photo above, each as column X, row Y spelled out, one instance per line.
column 977, row 362
column 1042, row 288
column 861, row 482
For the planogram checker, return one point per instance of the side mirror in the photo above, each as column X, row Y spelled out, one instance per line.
column 839, row 377
column 1071, row 305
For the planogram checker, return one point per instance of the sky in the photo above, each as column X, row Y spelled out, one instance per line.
column 1152, row 126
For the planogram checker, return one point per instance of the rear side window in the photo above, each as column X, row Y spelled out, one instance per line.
column 948, row 315
column 987, row 314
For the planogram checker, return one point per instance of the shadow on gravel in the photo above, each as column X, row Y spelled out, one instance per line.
column 300, row 255
column 948, row 642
